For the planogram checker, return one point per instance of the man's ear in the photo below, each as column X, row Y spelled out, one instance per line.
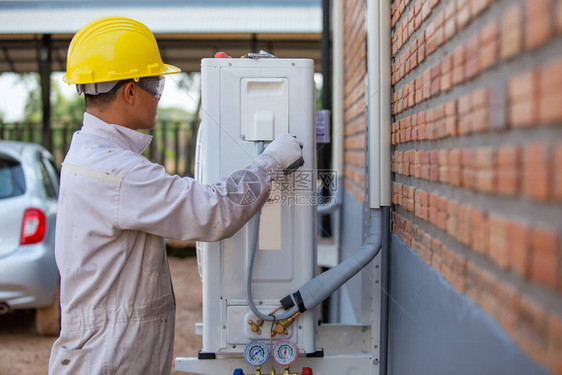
column 129, row 93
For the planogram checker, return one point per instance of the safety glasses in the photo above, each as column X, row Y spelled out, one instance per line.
column 152, row 85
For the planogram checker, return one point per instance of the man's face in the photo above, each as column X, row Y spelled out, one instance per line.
column 149, row 91
column 147, row 108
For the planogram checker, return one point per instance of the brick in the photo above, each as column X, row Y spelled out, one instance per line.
column 479, row 227
column 498, row 107
column 512, row 31
column 507, row 308
column 468, row 169
column 411, row 192
column 499, row 246
column 490, row 46
column 355, row 142
column 436, row 249
column 459, row 64
column 536, row 171
column 425, row 168
column 427, row 84
column 419, row 89
column 426, row 10
column 523, row 90
column 465, row 104
column 538, row 23
column 545, row 257
column 446, row 263
column 486, row 296
column 519, row 244
column 478, row 6
column 426, row 248
column 450, row 108
column 444, row 166
column 455, row 163
column 550, row 95
column 458, row 273
column 473, row 50
column 507, row 170
column 480, row 107
column 522, row 85
column 446, row 72
column 424, row 203
column 450, row 28
column 433, row 208
column 558, row 16
column 485, row 161
column 473, row 281
column 557, row 172
column 464, row 225
column 480, row 120
column 531, row 330
column 417, row 7
column 463, row 13
column 435, row 86
column 442, row 214
column 554, row 359
column 421, row 51
column 452, row 219
column 434, row 169
column 480, row 98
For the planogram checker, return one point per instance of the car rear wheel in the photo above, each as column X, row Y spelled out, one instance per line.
column 47, row 319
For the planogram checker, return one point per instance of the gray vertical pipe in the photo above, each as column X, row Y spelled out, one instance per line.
column 385, row 286
column 324, row 151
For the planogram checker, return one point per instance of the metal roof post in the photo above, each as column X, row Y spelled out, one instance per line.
column 45, row 74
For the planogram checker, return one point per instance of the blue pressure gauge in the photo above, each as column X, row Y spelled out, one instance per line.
column 256, row 353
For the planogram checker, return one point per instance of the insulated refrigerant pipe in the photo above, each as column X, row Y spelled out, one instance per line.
column 250, row 266
column 318, row 289
column 322, row 286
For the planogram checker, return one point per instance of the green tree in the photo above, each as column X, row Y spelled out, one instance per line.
column 63, row 110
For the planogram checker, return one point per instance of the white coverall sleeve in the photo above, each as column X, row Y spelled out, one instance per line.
column 152, row 201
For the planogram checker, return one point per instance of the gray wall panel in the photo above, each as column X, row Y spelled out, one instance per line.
column 435, row 330
column 351, row 309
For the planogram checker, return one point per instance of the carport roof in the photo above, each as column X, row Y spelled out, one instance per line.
column 186, row 30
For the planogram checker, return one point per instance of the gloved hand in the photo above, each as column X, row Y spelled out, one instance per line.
column 287, row 150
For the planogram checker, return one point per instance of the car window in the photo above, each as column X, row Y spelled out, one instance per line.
column 55, row 167
column 50, row 190
column 12, row 181
column 54, row 172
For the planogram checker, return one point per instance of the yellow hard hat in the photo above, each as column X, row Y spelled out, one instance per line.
column 112, row 49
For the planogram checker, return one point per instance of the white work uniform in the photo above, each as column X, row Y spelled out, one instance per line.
column 115, row 210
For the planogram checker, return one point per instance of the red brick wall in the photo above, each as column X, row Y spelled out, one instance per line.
column 355, row 119
column 477, row 156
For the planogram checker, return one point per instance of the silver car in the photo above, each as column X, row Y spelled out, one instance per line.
column 29, row 278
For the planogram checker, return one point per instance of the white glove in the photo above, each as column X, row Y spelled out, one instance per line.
column 287, row 150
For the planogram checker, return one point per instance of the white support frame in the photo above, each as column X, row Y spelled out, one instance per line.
column 346, row 351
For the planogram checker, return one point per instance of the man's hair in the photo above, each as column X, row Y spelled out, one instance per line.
column 102, row 101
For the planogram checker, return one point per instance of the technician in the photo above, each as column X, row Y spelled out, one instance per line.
column 116, row 208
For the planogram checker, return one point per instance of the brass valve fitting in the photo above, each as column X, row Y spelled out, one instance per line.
column 255, row 327
column 281, row 327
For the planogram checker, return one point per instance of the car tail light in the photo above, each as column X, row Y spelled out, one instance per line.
column 33, row 229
